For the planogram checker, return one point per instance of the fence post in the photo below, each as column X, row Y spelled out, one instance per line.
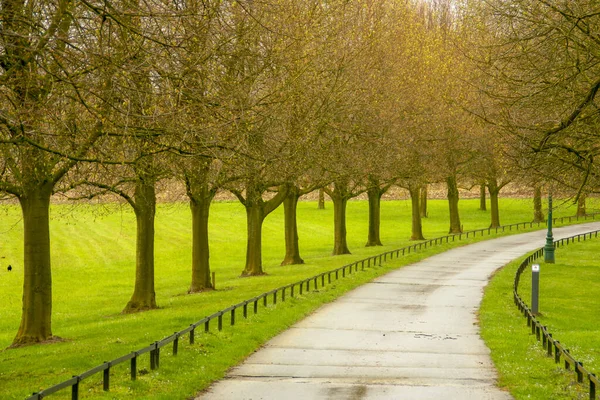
column 592, row 386
column 578, row 366
column 75, row 389
column 153, row 358
column 192, row 335
column 106, row 377
column 134, row 366
column 175, row 344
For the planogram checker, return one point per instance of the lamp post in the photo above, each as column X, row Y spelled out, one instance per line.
column 549, row 247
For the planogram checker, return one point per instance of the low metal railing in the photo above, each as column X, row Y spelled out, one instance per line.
column 275, row 294
column 552, row 346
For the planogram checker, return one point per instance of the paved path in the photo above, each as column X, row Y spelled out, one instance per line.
column 411, row 334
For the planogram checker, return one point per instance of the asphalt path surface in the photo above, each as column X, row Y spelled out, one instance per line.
column 410, row 334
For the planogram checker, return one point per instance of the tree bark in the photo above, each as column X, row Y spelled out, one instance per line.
column 453, row 198
column 254, row 220
column 321, row 199
column 494, row 190
column 417, row 227
column 340, row 245
column 144, row 296
column 201, row 193
column 538, row 214
column 36, row 314
column 482, row 205
column 292, row 249
column 256, row 211
column 200, row 207
column 581, row 212
column 374, row 194
column 423, row 202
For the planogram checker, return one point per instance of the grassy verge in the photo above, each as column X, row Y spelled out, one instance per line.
column 93, row 256
column 569, row 300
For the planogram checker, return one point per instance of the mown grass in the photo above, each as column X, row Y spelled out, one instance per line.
column 93, row 270
column 568, row 302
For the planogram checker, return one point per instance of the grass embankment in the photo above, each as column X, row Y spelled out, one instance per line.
column 93, row 270
column 568, row 302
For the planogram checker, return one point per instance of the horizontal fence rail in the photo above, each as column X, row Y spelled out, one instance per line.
column 291, row 290
column 552, row 346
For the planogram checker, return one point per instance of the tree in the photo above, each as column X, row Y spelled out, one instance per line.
column 543, row 82
column 53, row 82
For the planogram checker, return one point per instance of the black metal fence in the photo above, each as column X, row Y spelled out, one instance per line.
column 552, row 346
column 279, row 294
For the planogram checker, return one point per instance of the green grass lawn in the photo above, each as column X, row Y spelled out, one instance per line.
column 568, row 302
column 93, row 271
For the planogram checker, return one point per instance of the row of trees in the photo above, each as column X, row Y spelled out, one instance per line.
column 267, row 99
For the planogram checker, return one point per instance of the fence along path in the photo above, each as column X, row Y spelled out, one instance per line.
column 409, row 334
column 553, row 346
column 252, row 305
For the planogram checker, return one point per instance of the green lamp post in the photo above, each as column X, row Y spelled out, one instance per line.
column 549, row 247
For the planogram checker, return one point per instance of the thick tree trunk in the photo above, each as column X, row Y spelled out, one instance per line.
column 538, row 214
column 482, row 205
column 144, row 296
column 200, row 207
column 423, row 202
column 495, row 210
column 321, row 199
column 455, row 226
column 292, row 250
column 254, row 219
column 340, row 245
column 256, row 211
column 581, row 206
column 374, row 194
column 36, row 314
column 417, row 227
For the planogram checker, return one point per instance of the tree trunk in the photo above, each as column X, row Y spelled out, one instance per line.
column 36, row 314
column 321, row 199
column 340, row 245
column 374, row 194
column 581, row 206
column 339, row 195
column 200, row 207
column 455, row 226
column 495, row 211
column 423, row 202
column 538, row 214
column 417, row 227
column 292, row 250
column 254, row 220
column 482, row 205
column 144, row 296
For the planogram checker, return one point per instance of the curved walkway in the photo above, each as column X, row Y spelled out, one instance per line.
column 410, row 334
